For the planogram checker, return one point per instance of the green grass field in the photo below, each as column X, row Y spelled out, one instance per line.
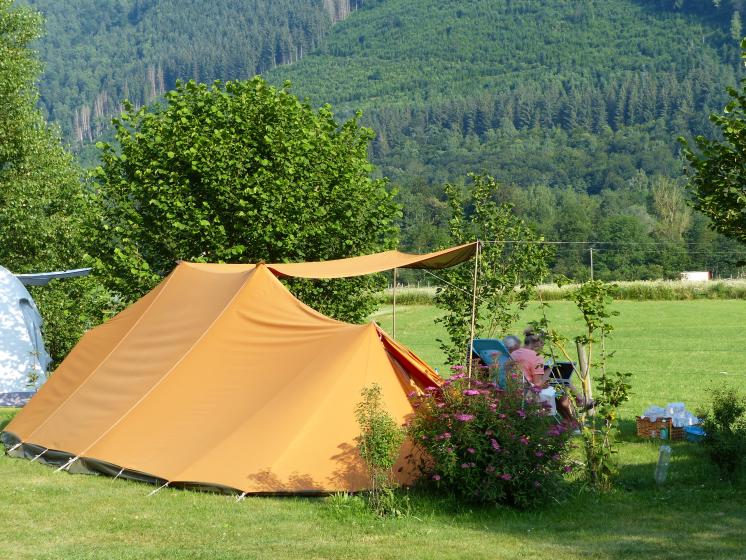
column 675, row 350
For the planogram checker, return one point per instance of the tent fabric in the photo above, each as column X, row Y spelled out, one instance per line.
column 219, row 377
column 23, row 359
column 379, row 262
column 44, row 278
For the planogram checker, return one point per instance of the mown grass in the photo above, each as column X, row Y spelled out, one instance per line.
column 674, row 350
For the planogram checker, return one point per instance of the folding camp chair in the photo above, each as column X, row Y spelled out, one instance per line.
column 493, row 354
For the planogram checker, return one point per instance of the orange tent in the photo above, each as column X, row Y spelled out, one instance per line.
column 219, row 377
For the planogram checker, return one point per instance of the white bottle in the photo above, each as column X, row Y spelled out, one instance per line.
column 664, row 459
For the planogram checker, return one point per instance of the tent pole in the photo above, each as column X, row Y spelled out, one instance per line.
column 393, row 320
column 473, row 311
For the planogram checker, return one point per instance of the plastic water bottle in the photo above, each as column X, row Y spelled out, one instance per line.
column 664, row 459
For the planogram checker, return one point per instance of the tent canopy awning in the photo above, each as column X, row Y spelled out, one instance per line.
column 366, row 264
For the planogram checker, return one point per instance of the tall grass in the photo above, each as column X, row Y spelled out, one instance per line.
column 641, row 290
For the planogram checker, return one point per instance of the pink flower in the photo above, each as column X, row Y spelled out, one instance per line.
column 430, row 389
column 440, row 404
column 502, row 416
column 567, row 468
column 471, row 450
column 471, row 392
column 495, row 445
column 449, row 449
column 493, row 407
column 436, row 477
column 539, row 453
column 467, row 465
column 423, row 437
column 457, row 368
column 464, row 417
column 489, row 433
column 523, row 440
column 506, row 476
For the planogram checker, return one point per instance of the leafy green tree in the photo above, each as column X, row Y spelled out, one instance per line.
column 42, row 208
column 511, row 264
column 717, row 168
column 240, row 172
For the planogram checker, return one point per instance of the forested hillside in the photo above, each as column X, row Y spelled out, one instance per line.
column 98, row 52
column 574, row 106
column 578, row 104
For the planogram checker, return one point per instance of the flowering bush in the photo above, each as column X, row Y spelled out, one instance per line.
column 487, row 444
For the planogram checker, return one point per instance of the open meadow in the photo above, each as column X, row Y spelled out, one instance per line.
column 675, row 351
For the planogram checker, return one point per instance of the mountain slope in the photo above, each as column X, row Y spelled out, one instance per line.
column 98, row 52
column 433, row 75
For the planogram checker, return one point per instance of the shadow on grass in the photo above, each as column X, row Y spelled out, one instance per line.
column 679, row 520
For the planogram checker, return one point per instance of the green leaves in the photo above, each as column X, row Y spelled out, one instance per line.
column 717, row 168
column 242, row 172
column 511, row 264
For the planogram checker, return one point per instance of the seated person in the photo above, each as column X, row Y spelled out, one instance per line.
column 534, row 371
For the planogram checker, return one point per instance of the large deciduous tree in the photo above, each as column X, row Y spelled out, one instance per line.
column 241, row 172
column 43, row 210
column 717, row 168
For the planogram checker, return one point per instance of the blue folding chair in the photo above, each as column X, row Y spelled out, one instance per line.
column 493, row 354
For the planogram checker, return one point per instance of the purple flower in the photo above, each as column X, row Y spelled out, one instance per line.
column 523, row 440
column 520, row 412
column 444, row 435
column 493, row 407
column 430, row 389
column 457, row 368
column 567, row 468
column 471, row 450
column 467, row 465
column 556, row 457
column 506, row 476
column 440, row 404
column 471, row 392
column 449, row 449
column 539, row 453
column 436, row 477
column 495, row 445
column 464, row 417
column 501, row 416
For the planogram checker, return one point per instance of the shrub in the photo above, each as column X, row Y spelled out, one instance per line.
column 379, row 444
column 486, row 444
column 724, row 422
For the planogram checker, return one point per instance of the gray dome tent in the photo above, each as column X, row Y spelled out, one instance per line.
column 23, row 358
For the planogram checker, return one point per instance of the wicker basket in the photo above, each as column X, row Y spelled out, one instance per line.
column 652, row 430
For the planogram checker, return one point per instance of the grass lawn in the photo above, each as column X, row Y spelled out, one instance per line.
column 675, row 350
